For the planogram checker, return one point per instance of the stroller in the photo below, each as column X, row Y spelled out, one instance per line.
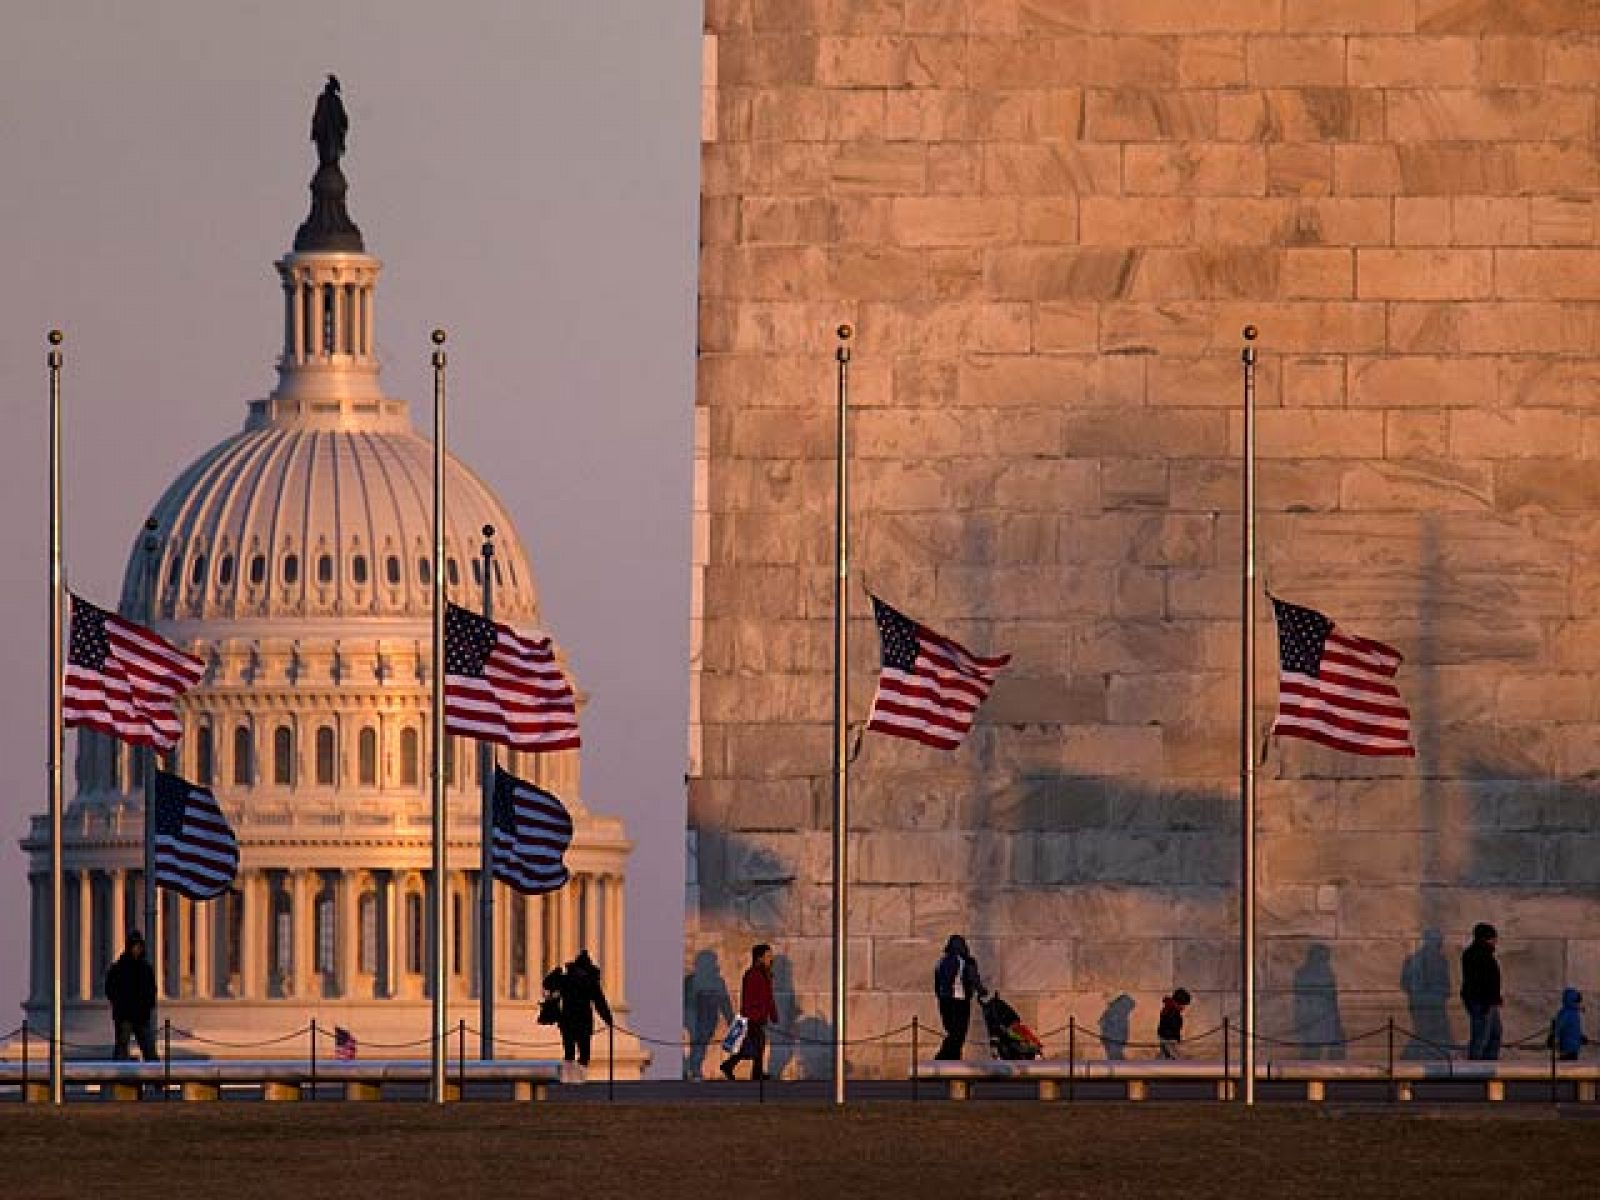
column 1009, row 1038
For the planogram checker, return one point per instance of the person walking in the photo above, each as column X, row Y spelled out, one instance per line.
column 1566, row 1031
column 1169, row 1025
column 130, row 987
column 577, row 985
column 1480, row 993
column 955, row 982
column 759, row 1007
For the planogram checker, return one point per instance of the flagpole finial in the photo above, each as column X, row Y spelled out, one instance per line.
column 846, row 332
column 54, row 337
column 1250, row 333
column 438, row 337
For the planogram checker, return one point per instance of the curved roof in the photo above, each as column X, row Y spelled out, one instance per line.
column 288, row 522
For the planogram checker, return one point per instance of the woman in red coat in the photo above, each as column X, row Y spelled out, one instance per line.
column 759, row 1007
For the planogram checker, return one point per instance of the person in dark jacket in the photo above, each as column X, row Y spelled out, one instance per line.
column 1566, row 1031
column 577, row 985
column 759, row 1007
column 1169, row 1025
column 955, row 983
column 130, row 986
column 1480, row 993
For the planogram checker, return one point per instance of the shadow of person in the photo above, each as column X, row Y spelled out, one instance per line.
column 706, row 1006
column 1317, row 1022
column 1425, row 979
column 783, row 1050
column 1115, row 1024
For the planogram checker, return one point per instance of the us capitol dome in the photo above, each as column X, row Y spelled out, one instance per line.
column 295, row 559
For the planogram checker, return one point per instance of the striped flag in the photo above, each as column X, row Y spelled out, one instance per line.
column 501, row 687
column 531, row 832
column 196, row 853
column 1336, row 688
column 125, row 680
column 344, row 1044
column 930, row 686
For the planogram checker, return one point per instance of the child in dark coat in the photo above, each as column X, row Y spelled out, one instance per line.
column 1169, row 1029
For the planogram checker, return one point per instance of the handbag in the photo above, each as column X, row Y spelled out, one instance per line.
column 549, row 1010
column 733, row 1040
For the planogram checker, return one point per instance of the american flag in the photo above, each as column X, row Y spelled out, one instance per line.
column 195, row 850
column 532, row 830
column 1336, row 688
column 930, row 686
column 344, row 1043
column 501, row 687
column 124, row 680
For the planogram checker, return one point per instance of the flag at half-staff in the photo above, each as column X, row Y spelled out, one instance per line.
column 930, row 686
column 502, row 687
column 123, row 679
column 1338, row 689
column 532, row 830
column 196, row 853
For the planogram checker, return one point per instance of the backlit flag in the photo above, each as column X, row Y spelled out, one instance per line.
column 930, row 686
column 344, row 1043
column 123, row 679
column 532, row 830
column 501, row 687
column 196, row 852
column 1336, row 688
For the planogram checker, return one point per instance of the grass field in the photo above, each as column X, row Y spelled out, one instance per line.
column 1196, row 1152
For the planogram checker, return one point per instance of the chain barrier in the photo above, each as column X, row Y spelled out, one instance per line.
column 191, row 1036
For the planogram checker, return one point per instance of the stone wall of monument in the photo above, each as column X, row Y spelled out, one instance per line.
column 1049, row 220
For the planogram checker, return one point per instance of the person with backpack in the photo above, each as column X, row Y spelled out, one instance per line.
column 955, row 983
column 1169, row 1025
column 1566, row 1030
column 577, row 986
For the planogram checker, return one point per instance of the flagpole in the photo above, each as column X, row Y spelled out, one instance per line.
column 841, row 712
column 436, row 776
column 152, row 933
column 57, row 739
column 486, row 837
column 1247, row 760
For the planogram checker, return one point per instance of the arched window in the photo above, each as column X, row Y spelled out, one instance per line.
column 205, row 756
column 282, row 948
column 415, row 934
column 499, row 578
column 367, row 757
column 328, row 326
column 243, row 756
column 291, row 569
column 283, row 756
column 425, row 571
column 114, row 764
column 457, row 941
column 452, row 572
column 325, row 755
column 450, row 760
column 358, row 569
column 225, row 570
column 391, row 570
column 410, row 754
column 477, row 571
column 258, row 570
column 233, row 935
column 367, row 915
column 174, row 571
column 197, row 573
column 324, row 568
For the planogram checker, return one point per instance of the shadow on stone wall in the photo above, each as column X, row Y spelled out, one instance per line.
column 707, row 1008
column 1319, row 1029
column 1116, row 1026
column 1425, row 980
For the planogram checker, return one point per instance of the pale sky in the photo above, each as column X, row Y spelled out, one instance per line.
column 527, row 172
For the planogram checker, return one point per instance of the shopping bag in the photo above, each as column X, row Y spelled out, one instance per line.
column 549, row 1010
column 733, row 1041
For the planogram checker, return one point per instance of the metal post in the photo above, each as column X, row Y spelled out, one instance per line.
column 1227, row 1049
column 611, row 1061
column 166, row 1058
column 439, row 939
column 914, row 1032
column 24, row 1059
column 841, row 713
column 1072, row 1055
column 154, row 942
column 1247, row 731
column 486, row 838
column 57, row 740
column 461, row 1058
column 1553, row 1077
column 313, row 1058
column 1393, row 1090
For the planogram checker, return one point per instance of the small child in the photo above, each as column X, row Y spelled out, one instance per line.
column 1169, row 1029
column 1566, row 1031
